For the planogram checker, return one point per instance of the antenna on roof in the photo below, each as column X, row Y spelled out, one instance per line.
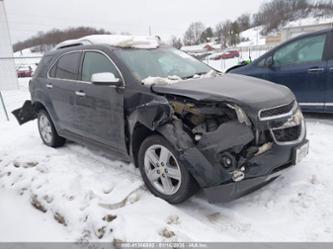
column 149, row 30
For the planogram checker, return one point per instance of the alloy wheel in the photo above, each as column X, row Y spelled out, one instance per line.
column 45, row 128
column 162, row 169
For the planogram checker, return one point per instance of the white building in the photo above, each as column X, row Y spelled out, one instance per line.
column 8, row 77
column 291, row 32
column 288, row 33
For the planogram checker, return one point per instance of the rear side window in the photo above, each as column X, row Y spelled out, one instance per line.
column 67, row 66
column 52, row 72
column 95, row 62
column 309, row 49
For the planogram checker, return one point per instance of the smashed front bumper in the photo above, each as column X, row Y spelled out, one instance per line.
column 256, row 176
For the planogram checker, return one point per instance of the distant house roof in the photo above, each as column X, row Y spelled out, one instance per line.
column 201, row 48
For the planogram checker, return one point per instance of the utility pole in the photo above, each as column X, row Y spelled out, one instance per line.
column 3, row 105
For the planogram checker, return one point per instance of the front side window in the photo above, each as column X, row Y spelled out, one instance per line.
column 261, row 63
column 95, row 62
column 67, row 66
column 309, row 49
column 161, row 62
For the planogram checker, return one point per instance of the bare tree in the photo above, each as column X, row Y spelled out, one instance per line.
column 244, row 22
column 223, row 31
column 193, row 33
column 206, row 35
column 176, row 42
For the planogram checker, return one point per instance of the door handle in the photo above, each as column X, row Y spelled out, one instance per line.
column 80, row 93
column 316, row 70
column 49, row 85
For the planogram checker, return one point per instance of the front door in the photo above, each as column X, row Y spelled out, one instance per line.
column 301, row 66
column 100, row 109
column 329, row 92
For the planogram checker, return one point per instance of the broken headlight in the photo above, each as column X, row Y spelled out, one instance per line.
column 292, row 131
column 241, row 115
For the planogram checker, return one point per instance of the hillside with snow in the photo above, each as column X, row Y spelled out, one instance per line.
column 310, row 21
column 254, row 35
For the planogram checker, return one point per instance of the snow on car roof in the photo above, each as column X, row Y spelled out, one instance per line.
column 123, row 41
column 150, row 80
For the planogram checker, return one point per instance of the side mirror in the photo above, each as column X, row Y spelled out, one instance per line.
column 269, row 62
column 105, row 79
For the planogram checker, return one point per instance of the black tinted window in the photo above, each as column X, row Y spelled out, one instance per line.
column 52, row 72
column 67, row 66
column 96, row 63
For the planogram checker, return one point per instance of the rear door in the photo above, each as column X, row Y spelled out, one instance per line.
column 100, row 109
column 60, row 86
column 301, row 66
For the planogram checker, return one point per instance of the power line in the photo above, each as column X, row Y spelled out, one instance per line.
column 90, row 21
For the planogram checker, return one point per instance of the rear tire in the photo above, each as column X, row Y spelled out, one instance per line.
column 164, row 175
column 48, row 132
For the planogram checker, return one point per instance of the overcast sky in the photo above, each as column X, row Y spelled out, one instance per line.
column 166, row 17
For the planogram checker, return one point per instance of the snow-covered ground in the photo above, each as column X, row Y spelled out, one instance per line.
column 17, row 218
column 223, row 65
column 253, row 37
column 74, row 193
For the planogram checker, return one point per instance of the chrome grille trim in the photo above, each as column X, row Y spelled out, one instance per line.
column 282, row 115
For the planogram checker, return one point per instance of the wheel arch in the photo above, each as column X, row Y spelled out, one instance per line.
column 180, row 140
column 39, row 106
column 139, row 134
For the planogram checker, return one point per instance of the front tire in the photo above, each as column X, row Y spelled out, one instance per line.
column 164, row 175
column 48, row 132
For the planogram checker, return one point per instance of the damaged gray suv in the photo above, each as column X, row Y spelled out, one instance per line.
column 184, row 125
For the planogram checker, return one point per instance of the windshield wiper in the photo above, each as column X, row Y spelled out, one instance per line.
column 196, row 74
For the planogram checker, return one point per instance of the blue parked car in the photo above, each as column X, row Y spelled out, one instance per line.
column 304, row 64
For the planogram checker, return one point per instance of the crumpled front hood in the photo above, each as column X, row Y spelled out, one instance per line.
column 248, row 92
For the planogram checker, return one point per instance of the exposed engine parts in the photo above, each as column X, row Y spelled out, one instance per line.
column 262, row 149
column 238, row 175
column 228, row 161
column 201, row 119
column 222, row 131
column 225, row 133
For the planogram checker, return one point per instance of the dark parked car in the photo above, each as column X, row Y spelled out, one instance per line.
column 226, row 134
column 305, row 65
